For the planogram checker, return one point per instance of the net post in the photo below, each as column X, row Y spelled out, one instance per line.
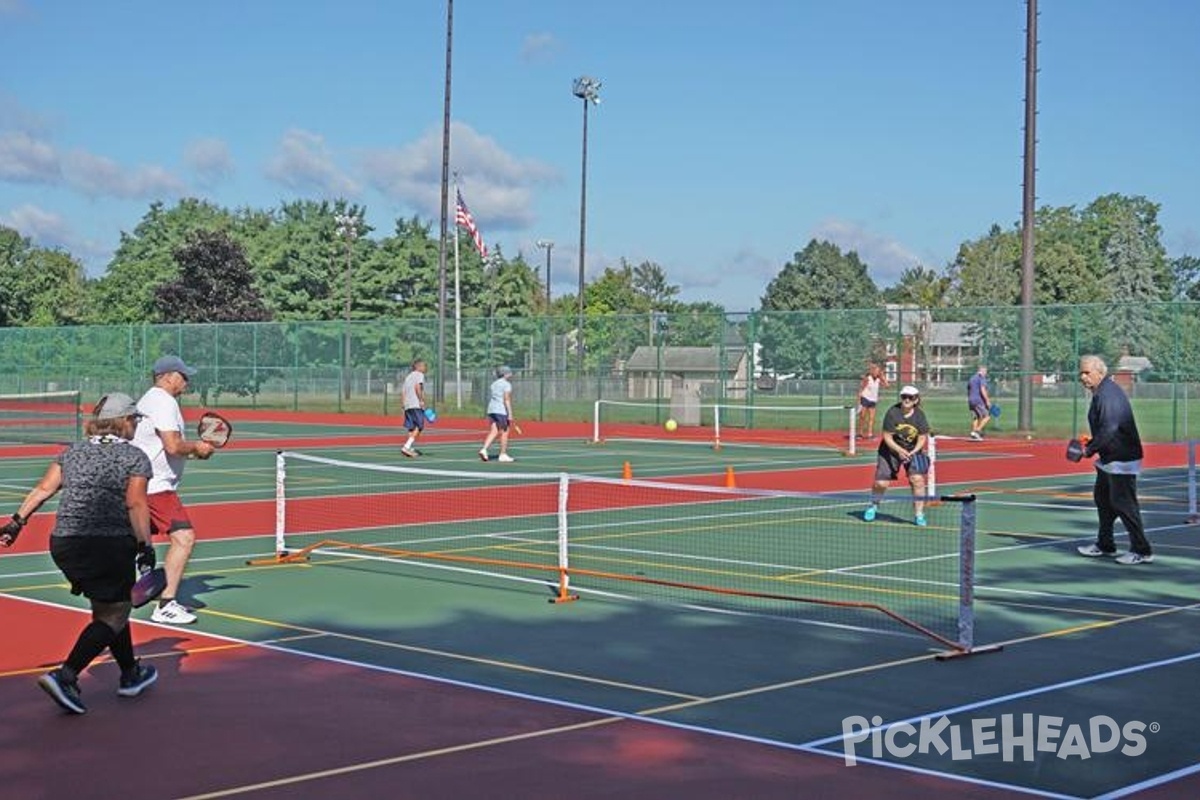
column 280, row 503
column 78, row 415
column 966, row 582
column 1193, row 515
column 281, row 552
column 852, row 448
column 596, row 422
column 563, row 592
column 931, row 479
column 716, row 426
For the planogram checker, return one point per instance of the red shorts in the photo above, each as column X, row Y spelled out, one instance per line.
column 167, row 514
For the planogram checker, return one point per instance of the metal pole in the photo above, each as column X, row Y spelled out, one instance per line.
column 1029, row 197
column 582, row 239
column 547, row 245
column 347, row 229
column 439, row 389
column 346, row 325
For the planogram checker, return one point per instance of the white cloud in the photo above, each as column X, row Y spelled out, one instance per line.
column 304, row 164
column 25, row 159
column 539, row 47
column 98, row 176
column 47, row 229
column 209, row 159
column 43, row 227
column 885, row 257
column 497, row 185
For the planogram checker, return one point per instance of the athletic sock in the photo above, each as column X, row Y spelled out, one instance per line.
column 91, row 643
column 121, row 648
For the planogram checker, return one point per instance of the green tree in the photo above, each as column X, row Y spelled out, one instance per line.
column 143, row 260
column 650, row 281
column 1186, row 272
column 39, row 286
column 1134, row 265
column 795, row 340
column 214, row 283
column 919, row 286
column 987, row 270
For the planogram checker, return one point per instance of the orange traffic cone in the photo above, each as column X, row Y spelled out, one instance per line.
column 627, row 472
column 730, row 483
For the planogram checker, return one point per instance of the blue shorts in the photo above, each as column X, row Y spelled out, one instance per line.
column 414, row 419
column 500, row 421
column 865, row 403
column 980, row 410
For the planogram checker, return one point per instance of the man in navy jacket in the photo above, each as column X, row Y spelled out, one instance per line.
column 1116, row 441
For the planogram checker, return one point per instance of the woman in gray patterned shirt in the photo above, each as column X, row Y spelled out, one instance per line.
column 102, row 529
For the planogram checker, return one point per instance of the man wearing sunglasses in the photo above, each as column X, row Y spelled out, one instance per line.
column 160, row 435
column 905, row 435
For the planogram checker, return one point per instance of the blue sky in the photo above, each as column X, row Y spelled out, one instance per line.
column 729, row 134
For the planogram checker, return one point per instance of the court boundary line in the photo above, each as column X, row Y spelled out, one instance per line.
column 1034, row 692
column 648, row 716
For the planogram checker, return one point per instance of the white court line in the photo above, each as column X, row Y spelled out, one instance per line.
column 1022, row 695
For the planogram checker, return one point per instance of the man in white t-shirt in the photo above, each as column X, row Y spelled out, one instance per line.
column 160, row 434
column 413, row 394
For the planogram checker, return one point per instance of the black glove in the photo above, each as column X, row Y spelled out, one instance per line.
column 11, row 530
column 146, row 558
column 1075, row 450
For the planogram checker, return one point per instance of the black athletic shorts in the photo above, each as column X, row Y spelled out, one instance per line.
column 99, row 567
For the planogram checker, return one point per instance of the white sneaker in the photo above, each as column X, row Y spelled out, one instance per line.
column 483, row 455
column 1092, row 551
column 1135, row 558
column 173, row 614
column 505, row 457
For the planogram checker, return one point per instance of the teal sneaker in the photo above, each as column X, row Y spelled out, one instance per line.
column 919, row 521
column 869, row 514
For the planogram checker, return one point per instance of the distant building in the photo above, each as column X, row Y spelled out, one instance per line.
column 929, row 352
column 708, row 372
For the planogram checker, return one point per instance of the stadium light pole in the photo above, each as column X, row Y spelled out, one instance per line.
column 547, row 245
column 347, row 230
column 588, row 90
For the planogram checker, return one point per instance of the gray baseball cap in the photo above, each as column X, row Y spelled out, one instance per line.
column 173, row 364
column 115, row 406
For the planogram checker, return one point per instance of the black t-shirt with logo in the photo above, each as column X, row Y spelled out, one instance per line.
column 905, row 430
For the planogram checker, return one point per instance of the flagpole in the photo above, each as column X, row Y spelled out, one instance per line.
column 457, row 311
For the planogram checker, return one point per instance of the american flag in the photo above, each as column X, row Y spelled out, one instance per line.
column 462, row 216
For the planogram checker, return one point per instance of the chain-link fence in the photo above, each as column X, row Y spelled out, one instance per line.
column 800, row 357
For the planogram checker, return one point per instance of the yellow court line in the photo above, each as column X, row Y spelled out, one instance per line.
column 489, row 662
column 1100, row 624
column 387, row 762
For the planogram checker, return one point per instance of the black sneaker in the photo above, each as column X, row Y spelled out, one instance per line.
column 67, row 695
column 137, row 680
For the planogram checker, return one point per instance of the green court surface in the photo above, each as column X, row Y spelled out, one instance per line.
column 1082, row 639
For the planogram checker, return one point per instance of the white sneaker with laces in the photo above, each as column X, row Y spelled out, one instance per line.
column 1135, row 558
column 171, row 613
column 1092, row 551
column 506, row 458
